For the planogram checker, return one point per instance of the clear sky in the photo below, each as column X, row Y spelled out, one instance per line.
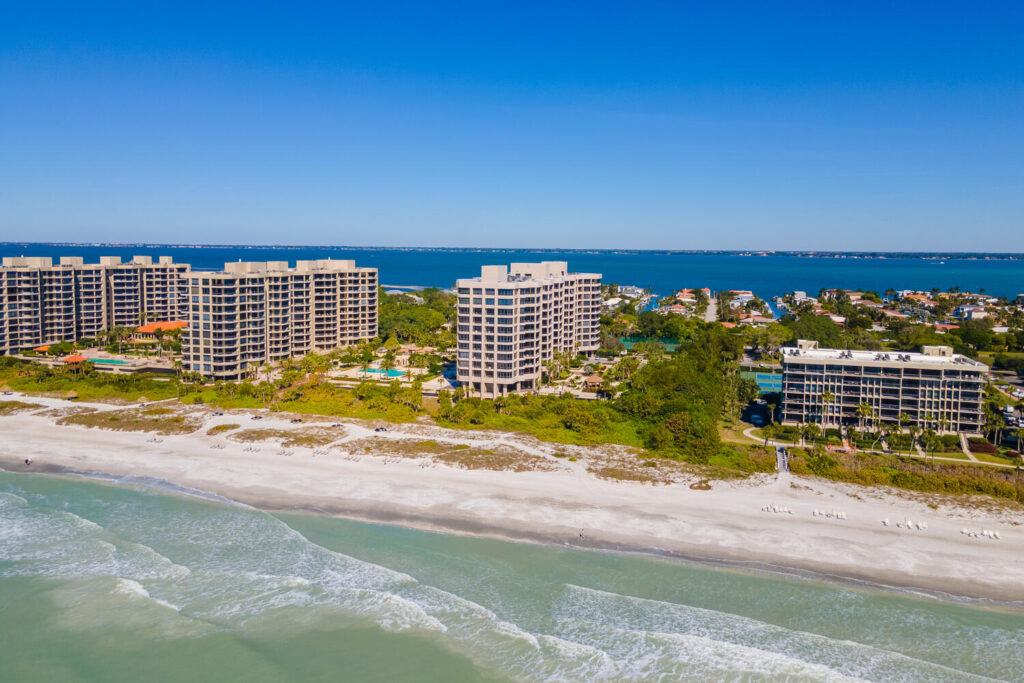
column 714, row 125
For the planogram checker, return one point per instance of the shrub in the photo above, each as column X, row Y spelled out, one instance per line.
column 984, row 447
column 950, row 442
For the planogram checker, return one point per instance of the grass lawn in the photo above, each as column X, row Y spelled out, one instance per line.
column 997, row 458
column 988, row 357
column 732, row 431
column 958, row 455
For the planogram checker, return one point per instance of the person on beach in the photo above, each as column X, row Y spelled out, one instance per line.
column 28, row 462
column 581, row 534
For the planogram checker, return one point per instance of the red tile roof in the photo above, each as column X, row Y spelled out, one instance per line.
column 73, row 359
column 165, row 326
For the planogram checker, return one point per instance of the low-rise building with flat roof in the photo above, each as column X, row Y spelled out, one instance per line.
column 933, row 388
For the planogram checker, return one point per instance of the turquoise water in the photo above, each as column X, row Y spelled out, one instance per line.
column 135, row 581
column 107, row 361
column 390, row 373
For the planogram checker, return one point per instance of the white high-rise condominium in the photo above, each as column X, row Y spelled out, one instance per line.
column 44, row 303
column 255, row 313
column 512, row 319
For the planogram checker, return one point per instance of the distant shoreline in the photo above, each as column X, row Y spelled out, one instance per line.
column 807, row 253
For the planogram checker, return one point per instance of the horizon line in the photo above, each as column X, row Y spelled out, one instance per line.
column 577, row 250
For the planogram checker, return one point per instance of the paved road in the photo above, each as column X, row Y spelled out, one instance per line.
column 711, row 314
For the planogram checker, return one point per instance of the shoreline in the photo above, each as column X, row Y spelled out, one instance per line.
column 480, row 530
column 725, row 526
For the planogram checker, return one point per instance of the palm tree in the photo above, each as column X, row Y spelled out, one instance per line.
column 387, row 362
column 810, row 432
column 864, row 412
column 930, row 441
column 889, row 431
column 995, row 422
column 827, row 398
column 915, row 431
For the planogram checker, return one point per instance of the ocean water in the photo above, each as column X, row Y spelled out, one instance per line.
column 767, row 276
column 134, row 580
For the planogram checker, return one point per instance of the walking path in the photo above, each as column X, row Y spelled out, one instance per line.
column 781, row 459
column 749, row 433
column 966, row 448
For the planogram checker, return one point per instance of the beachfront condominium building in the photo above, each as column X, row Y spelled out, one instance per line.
column 934, row 388
column 45, row 303
column 255, row 313
column 513, row 318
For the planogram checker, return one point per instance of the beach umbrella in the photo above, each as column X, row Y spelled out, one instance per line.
column 142, row 399
column 71, row 395
column 6, row 387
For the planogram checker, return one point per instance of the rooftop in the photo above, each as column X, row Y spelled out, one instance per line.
column 260, row 267
column 30, row 262
column 164, row 326
column 549, row 271
column 935, row 356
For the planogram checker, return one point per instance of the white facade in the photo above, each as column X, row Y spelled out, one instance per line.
column 255, row 313
column 512, row 319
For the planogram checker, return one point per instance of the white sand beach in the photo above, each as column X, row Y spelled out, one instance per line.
column 554, row 501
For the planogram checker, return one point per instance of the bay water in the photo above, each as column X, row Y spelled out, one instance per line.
column 127, row 580
column 767, row 275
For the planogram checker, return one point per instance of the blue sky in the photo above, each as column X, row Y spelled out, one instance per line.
column 871, row 126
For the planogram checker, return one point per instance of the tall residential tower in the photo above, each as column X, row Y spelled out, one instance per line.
column 43, row 303
column 255, row 313
column 512, row 319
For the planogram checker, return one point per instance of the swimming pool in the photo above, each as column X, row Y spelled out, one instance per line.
column 390, row 373
column 109, row 361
